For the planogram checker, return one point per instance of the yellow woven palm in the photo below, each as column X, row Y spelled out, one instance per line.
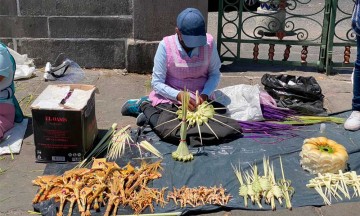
column 323, row 155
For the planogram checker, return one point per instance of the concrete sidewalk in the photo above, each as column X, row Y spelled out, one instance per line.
column 115, row 87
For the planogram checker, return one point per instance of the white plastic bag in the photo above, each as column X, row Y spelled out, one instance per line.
column 24, row 66
column 63, row 70
column 242, row 101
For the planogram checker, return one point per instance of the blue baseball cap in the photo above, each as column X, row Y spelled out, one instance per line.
column 191, row 24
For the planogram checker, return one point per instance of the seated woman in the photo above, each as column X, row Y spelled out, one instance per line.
column 186, row 59
column 10, row 111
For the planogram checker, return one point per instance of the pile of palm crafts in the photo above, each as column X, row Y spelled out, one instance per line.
column 105, row 184
column 265, row 187
column 335, row 186
column 328, row 159
column 323, row 155
column 199, row 196
column 114, row 143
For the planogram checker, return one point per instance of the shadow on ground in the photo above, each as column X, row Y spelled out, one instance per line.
column 29, row 130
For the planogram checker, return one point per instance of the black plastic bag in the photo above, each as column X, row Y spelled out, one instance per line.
column 302, row 94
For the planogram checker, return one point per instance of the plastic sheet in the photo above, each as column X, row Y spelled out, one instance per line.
column 212, row 166
column 47, row 208
column 13, row 139
column 242, row 101
column 64, row 70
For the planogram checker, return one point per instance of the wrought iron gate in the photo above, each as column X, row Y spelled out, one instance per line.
column 298, row 26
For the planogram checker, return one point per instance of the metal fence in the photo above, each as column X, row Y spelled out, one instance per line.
column 292, row 26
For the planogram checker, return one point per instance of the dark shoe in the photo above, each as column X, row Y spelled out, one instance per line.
column 141, row 120
column 132, row 107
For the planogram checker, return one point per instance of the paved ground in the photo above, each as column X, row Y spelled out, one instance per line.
column 115, row 87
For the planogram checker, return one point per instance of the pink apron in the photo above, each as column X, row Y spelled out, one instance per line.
column 183, row 71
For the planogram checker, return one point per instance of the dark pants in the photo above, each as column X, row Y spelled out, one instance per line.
column 163, row 121
column 356, row 84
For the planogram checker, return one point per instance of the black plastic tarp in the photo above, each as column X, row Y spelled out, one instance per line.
column 212, row 166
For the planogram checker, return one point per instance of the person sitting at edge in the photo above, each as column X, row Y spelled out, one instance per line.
column 188, row 58
column 10, row 111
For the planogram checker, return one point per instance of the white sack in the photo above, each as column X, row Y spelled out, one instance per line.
column 242, row 101
column 24, row 65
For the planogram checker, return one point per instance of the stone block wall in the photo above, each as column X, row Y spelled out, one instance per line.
column 94, row 33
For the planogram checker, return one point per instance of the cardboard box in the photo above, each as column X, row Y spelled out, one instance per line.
column 64, row 132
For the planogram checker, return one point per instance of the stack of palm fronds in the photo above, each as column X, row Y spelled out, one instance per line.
column 114, row 142
column 287, row 116
column 336, row 184
column 307, row 120
column 279, row 121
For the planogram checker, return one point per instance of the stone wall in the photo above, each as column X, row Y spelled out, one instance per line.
column 94, row 33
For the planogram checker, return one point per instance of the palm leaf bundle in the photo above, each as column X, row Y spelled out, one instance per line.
column 257, row 187
column 291, row 117
column 114, row 142
column 150, row 148
column 287, row 190
column 330, row 185
column 279, row 121
column 121, row 138
column 308, row 120
column 99, row 148
column 275, row 113
column 116, row 147
column 264, row 127
column 182, row 153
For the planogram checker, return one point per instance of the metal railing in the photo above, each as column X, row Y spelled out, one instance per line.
column 305, row 24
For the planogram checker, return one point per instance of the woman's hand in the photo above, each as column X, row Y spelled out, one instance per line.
column 192, row 104
column 202, row 98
